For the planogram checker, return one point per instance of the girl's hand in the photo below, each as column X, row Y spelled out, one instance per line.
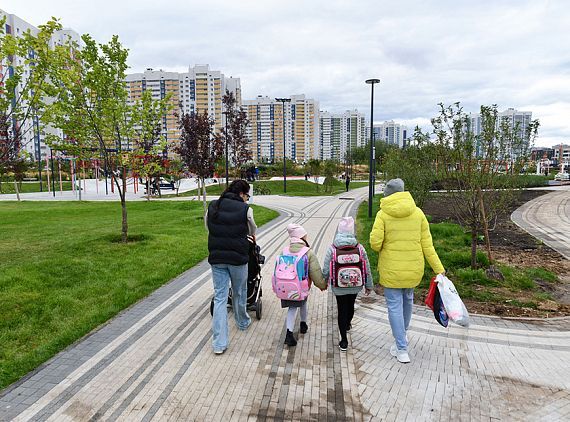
column 367, row 291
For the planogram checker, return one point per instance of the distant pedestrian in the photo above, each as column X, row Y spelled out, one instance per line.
column 402, row 237
column 347, row 182
column 347, row 270
column 298, row 244
column 229, row 221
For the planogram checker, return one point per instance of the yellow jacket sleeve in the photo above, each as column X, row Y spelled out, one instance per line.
column 428, row 249
column 377, row 233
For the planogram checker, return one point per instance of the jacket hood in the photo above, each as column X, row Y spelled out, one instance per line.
column 344, row 239
column 399, row 204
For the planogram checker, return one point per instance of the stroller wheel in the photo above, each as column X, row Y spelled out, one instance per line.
column 258, row 309
column 212, row 307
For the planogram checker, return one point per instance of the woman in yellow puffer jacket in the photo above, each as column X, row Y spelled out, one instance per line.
column 402, row 238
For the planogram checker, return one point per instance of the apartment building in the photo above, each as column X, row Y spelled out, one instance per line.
column 519, row 120
column 392, row 133
column 276, row 128
column 198, row 90
column 33, row 130
column 340, row 132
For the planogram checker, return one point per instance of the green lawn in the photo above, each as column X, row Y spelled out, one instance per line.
column 294, row 188
column 28, row 187
column 62, row 273
column 453, row 246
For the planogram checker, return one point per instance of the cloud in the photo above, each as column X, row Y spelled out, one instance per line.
column 513, row 54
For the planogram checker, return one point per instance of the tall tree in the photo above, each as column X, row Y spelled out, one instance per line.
column 199, row 148
column 235, row 137
column 25, row 61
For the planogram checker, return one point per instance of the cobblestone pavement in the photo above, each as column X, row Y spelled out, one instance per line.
column 548, row 218
column 155, row 362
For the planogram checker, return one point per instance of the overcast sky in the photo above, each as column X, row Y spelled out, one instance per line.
column 510, row 53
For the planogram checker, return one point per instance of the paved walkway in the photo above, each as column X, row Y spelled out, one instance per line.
column 548, row 219
column 154, row 361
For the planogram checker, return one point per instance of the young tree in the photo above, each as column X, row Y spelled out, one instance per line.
column 414, row 164
column 330, row 171
column 471, row 166
column 24, row 64
column 91, row 107
column 236, row 139
column 149, row 142
column 314, row 167
column 175, row 171
column 199, row 148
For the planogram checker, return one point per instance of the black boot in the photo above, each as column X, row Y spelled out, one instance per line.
column 304, row 327
column 290, row 339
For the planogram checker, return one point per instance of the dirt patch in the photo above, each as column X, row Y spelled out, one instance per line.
column 513, row 246
column 506, row 233
column 504, row 310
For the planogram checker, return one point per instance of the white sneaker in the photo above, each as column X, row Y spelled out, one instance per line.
column 394, row 350
column 403, row 356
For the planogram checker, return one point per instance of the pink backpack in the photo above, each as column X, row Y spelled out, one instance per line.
column 347, row 267
column 290, row 279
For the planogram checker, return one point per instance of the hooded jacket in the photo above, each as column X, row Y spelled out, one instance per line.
column 340, row 240
column 402, row 238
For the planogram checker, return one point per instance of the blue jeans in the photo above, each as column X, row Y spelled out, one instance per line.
column 399, row 303
column 221, row 275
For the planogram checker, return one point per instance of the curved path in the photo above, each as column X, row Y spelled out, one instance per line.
column 154, row 361
column 548, row 218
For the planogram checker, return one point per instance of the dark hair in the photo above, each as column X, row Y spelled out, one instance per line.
column 236, row 187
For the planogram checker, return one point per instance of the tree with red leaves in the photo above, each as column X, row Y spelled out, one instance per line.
column 199, row 147
column 237, row 121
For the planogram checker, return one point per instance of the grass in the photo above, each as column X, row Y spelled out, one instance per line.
column 28, row 187
column 294, row 188
column 62, row 272
column 453, row 246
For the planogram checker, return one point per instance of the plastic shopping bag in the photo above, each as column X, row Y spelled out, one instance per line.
column 454, row 306
column 431, row 293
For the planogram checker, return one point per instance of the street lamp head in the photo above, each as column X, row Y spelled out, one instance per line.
column 372, row 81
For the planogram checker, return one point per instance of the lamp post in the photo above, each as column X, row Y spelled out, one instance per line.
column 371, row 163
column 226, row 113
column 283, row 101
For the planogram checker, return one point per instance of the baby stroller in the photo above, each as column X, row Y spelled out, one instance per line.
column 254, row 291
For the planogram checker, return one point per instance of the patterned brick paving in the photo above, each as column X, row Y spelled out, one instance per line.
column 154, row 361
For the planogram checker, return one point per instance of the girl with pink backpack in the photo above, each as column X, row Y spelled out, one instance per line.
column 347, row 269
column 295, row 270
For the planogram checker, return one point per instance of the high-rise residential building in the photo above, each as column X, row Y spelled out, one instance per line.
column 283, row 127
column 517, row 119
column 198, row 90
column 33, row 131
column 340, row 132
column 392, row 133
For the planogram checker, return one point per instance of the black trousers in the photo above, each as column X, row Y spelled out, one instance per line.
column 345, row 305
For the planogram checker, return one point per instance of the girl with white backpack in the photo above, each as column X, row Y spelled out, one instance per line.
column 347, row 270
column 295, row 269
